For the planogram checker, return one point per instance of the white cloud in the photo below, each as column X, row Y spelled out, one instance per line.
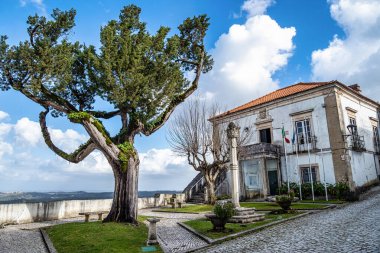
column 4, row 129
column 247, row 57
column 256, row 7
column 94, row 163
column 27, row 132
column 356, row 58
column 5, row 148
column 3, row 115
column 160, row 161
column 39, row 4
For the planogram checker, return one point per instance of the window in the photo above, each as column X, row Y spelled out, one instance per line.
column 352, row 121
column 376, row 139
column 305, row 174
column 303, row 131
column 251, row 170
column 265, row 135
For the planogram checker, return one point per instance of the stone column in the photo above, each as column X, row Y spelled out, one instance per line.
column 152, row 234
column 233, row 135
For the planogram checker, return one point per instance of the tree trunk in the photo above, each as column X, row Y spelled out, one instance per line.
column 211, row 192
column 125, row 199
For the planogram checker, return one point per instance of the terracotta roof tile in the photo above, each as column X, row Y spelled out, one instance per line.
column 281, row 93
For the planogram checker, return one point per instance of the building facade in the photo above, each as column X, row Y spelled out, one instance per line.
column 306, row 132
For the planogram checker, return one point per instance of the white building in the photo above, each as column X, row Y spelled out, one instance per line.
column 315, row 117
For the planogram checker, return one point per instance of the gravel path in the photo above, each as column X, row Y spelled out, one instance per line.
column 352, row 228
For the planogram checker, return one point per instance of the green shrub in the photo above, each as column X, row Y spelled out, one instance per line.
column 284, row 201
column 224, row 196
column 283, row 189
column 224, row 210
column 342, row 190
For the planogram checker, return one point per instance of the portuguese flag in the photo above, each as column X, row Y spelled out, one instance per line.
column 284, row 136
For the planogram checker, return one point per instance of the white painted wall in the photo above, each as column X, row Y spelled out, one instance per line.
column 31, row 212
column 325, row 169
column 364, row 166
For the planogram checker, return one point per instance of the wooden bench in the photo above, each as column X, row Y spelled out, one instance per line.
column 87, row 215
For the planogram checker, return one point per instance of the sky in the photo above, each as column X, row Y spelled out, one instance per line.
column 258, row 46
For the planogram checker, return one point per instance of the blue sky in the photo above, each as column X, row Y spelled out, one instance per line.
column 258, row 46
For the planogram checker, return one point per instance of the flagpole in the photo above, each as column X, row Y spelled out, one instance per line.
column 308, row 151
column 295, row 139
column 286, row 160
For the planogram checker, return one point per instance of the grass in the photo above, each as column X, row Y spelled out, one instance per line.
column 333, row 201
column 99, row 237
column 260, row 206
column 268, row 206
column 204, row 226
column 188, row 209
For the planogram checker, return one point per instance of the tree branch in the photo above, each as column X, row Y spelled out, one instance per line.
column 78, row 155
column 157, row 124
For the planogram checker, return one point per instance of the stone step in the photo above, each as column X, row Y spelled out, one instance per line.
column 247, row 218
column 240, row 211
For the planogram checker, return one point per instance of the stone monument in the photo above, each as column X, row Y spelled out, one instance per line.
column 242, row 215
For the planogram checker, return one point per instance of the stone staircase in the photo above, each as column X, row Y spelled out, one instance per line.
column 246, row 215
column 197, row 198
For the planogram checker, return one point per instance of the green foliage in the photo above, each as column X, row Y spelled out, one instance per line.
column 340, row 190
column 224, row 210
column 281, row 198
column 78, row 117
column 140, row 74
column 222, row 197
column 126, row 151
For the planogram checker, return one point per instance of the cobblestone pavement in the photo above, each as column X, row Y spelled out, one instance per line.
column 352, row 228
column 172, row 237
column 26, row 238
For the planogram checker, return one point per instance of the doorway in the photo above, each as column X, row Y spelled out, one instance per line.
column 265, row 136
column 273, row 182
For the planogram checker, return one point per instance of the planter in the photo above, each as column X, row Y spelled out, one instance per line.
column 218, row 223
column 284, row 204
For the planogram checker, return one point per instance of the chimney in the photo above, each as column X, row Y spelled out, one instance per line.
column 355, row 87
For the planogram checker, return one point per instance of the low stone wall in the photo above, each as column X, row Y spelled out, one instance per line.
column 31, row 212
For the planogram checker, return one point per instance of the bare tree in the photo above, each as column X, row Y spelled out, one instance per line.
column 191, row 134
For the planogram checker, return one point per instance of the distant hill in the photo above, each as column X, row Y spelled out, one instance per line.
column 29, row 197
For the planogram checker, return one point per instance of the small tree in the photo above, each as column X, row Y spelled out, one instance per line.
column 140, row 75
column 203, row 143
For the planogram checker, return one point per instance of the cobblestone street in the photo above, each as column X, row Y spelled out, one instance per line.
column 172, row 237
column 353, row 228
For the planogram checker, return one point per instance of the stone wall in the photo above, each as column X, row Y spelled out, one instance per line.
column 32, row 212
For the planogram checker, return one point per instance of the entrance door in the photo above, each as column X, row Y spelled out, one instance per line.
column 273, row 182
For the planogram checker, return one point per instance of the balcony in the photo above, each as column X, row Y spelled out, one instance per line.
column 356, row 143
column 303, row 144
column 259, row 150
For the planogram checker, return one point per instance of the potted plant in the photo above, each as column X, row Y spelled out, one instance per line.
column 285, row 201
column 223, row 211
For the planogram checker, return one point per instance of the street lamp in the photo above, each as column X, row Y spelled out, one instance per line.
column 352, row 129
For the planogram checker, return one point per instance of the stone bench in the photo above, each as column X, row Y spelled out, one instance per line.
column 87, row 215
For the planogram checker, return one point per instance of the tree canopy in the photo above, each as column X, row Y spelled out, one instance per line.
column 141, row 75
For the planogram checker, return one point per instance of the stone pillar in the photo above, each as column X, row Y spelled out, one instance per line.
column 233, row 135
column 152, row 234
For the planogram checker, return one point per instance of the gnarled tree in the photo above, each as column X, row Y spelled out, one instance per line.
column 139, row 74
column 203, row 143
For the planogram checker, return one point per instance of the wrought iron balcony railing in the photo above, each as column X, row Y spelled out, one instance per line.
column 356, row 142
column 303, row 144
